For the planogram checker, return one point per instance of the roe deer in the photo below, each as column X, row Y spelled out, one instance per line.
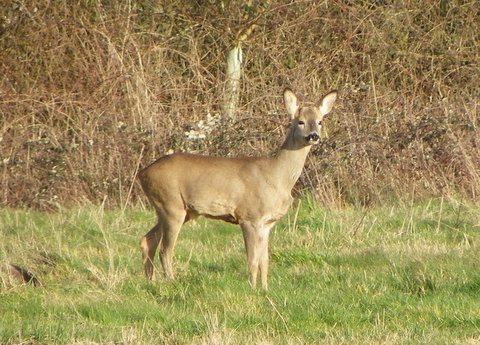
column 251, row 192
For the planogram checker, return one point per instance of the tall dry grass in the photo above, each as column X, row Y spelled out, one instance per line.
column 90, row 91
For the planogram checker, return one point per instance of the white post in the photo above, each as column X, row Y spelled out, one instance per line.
column 232, row 83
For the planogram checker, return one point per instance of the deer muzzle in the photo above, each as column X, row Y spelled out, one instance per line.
column 312, row 138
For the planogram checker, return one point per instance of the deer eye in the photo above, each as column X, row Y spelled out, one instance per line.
column 300, row 123
column 320, row 122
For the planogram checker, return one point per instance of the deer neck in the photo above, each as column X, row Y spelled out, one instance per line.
column 290, row 161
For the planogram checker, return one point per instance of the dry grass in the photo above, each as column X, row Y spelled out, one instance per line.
column 90, row 91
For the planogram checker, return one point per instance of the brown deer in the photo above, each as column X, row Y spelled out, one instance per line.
column 252, row 192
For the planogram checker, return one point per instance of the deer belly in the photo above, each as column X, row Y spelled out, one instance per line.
column 214, row 210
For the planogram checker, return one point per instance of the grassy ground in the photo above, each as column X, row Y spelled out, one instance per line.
column 407, row 274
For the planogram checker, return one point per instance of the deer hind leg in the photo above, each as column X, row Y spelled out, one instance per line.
column 171, row 228
column 149, row 244
column 256, row 244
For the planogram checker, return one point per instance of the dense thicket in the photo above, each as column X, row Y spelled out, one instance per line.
column 91, row 90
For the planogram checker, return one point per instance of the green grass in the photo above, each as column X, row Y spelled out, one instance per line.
column 405, row 274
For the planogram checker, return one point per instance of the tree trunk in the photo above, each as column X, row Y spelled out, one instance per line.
column 232, row 83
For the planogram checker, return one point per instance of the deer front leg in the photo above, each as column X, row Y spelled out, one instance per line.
column 256, row 244
column 265, row 232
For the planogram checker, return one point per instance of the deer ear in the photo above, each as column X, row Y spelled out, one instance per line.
column 290, row 102
column 326, row 104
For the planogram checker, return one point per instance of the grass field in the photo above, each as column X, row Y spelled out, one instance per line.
column 405, row 274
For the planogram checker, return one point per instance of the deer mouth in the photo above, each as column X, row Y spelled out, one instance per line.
column 312, row 138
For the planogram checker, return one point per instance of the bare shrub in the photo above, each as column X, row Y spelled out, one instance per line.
column 89, row 92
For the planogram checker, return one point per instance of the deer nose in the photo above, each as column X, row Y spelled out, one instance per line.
column 312, row 137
